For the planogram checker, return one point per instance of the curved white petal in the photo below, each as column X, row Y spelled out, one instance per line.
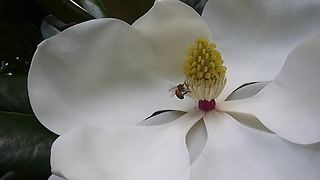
column 290, row 105
column 125, row 152
column 93, row 72
column 234, row 151
column 171, row 27
column 195, row 138
column 255, row 36
column 247, row 91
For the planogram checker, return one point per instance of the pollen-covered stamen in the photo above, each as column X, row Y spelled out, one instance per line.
column 204, row 71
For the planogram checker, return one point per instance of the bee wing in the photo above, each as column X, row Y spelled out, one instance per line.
column 173, row 93
column 171, row 84
column 172, row 88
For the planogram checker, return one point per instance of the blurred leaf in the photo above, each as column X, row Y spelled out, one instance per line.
column 94, row 7
column 128, row 10
column 19, row 176
column 24, row 144
column 14, row 95
column 65, row 10
column 131, row 10
column 197, row 5
column 51, row 26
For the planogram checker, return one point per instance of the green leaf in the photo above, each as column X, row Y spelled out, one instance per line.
column 19, row 176
column 24, row 144
column 131, row 10
column 51, row 26
column 127, row 10
column 94, row 7
column 197, row 5
column 65, row 10
column 13, row 94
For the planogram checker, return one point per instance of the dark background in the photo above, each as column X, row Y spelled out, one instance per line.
column 20, row 22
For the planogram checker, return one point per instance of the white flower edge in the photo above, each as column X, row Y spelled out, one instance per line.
column 234, row 151
column 123, row 152
column 231, row 151
column 290, row 104
column 255, row 37
column 98, row 69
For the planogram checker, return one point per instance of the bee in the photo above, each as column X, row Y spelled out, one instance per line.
column 180, row 90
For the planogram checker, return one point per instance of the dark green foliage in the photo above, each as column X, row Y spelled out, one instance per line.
column 24, row 142
column 198, row 5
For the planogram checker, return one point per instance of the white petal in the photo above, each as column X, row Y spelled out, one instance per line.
column 195, row 138
column 125, row 152
column 93, row 72
column 247, row 91
column 255, row 36
column 290, row 105
column 234, row 151
column 171, row 27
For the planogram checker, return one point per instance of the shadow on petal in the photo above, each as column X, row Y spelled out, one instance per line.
column 162, row 117
column 249, row 120
column 247, row 90
column 196, row 140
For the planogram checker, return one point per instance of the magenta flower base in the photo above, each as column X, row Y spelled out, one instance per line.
column 207, row 105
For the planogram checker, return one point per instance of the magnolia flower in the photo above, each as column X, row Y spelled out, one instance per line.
column 95, row 82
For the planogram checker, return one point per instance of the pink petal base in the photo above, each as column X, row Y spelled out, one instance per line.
column 207, row 105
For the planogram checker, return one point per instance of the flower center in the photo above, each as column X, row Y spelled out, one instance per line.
column 207, row 105
column 204, row 72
